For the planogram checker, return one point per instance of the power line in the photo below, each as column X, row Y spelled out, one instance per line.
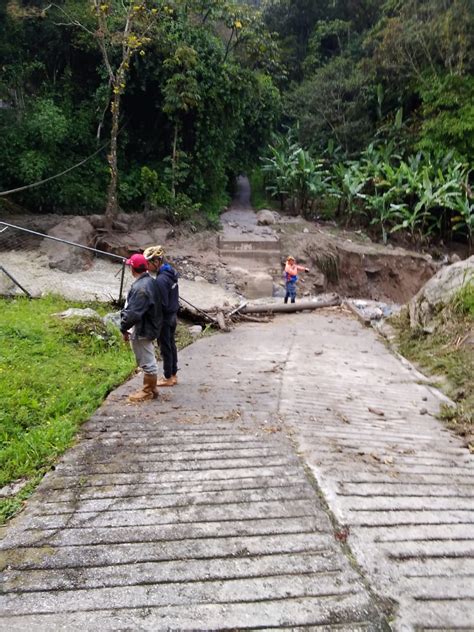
column 37, row 184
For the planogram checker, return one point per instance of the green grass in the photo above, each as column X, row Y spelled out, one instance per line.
column 446, row 352
column 53, row 375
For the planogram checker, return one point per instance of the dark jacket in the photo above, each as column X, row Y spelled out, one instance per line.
column 143, row 309
column 167, row 282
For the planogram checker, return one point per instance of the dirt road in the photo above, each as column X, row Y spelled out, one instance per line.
column 295, row 478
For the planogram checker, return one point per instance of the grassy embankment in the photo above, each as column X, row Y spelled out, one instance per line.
column 447, row 353
column 53, row 374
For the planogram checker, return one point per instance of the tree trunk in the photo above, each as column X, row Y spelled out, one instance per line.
column 174, row 161
column 291, row 307
column 112, row 201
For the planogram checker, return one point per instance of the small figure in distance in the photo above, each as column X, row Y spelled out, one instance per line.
column 291, row 278
column 167, row 283
column 140, row 324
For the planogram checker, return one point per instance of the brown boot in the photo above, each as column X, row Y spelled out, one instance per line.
column 166, row 381
column 148, row 391
column 174, row 378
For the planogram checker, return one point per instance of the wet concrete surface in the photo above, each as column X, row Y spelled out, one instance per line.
column 296, row 478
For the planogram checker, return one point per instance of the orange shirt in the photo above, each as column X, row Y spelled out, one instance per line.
column 292, row 268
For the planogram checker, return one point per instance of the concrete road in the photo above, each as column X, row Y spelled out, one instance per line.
column 295, row 478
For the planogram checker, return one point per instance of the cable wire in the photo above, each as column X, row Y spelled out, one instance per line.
column 37, row 184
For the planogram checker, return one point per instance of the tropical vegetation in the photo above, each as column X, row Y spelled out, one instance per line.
column 161, row 103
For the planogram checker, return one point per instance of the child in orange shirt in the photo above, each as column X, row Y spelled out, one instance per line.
column 291, row 278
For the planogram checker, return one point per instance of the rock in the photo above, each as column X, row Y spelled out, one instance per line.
column 439, row 290
column 468, row 341
column 113, row 318
column 195, row 330
column 13, row 488
column 265, row 218
column 75, row 312
column 97, row 221
column 64, row 256
column 306, row 230
column 454, row 258
column 199, row 279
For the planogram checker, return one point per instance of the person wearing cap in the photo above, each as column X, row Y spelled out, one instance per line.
column 140, row 323
column 291, row 278
column 167, row 283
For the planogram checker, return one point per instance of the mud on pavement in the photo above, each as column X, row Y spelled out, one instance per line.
column 260, row 493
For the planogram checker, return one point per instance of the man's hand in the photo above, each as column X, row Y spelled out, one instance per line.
column 126, row 336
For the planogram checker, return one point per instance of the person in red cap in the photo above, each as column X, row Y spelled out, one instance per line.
column 140, row 323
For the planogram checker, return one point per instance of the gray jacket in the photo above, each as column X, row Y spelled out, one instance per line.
column 143, row 309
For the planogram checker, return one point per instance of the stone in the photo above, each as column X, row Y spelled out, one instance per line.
column 76, row 312
column 64, row 256
column 265, row 218
column 113, row 318
column 439, row 290
column 195, row 330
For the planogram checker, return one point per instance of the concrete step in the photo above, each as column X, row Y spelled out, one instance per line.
column 240, row 245
column 265, row 259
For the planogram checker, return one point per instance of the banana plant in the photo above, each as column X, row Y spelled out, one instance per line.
column 383, row 212
column 351, row 185
column 463, row 221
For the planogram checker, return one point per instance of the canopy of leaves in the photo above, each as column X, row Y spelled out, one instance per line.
column 198, row 94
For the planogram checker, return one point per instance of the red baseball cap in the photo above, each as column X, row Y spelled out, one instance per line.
column 138, row 262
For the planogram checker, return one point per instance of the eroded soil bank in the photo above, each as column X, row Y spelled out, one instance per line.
column 341, row 261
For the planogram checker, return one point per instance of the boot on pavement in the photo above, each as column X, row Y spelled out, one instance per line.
column 148, row 391
column 167, row 381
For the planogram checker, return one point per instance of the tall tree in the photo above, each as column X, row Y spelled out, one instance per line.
column 121, row 30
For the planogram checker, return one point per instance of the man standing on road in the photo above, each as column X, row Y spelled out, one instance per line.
column 140, row 323
column 167, row 282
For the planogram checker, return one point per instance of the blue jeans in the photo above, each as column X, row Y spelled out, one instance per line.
column 290, row 291
column 168, row 349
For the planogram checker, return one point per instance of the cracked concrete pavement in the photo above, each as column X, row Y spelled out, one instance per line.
column 295, row 478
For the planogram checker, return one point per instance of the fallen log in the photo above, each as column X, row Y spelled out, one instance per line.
column 237, row 309
column 291, row 307
column 221, row 322
column 252, row 319
column 197, row 316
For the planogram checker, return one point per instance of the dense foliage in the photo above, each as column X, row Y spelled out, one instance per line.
column 381, row 97
column 380, row 94
column 196, row 100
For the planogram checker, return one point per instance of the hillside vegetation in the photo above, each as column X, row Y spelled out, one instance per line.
column 179, row 96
